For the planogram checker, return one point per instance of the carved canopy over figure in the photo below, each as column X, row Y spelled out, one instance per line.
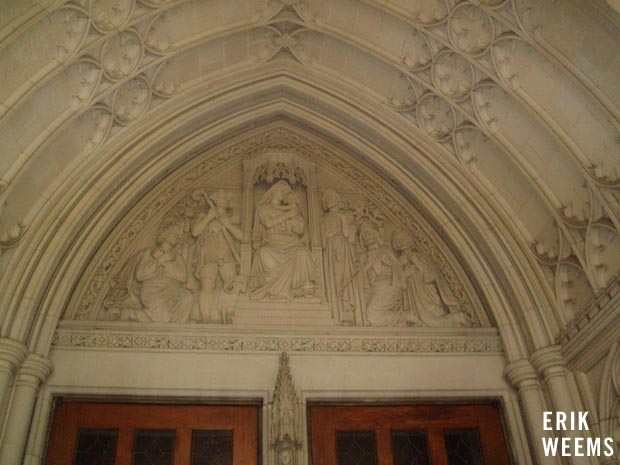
column 282, row 267
column 155, row 284
column 428, row 299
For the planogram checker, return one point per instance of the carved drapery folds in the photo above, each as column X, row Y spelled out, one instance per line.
column 279, row 189
column 278, row 235
column 286, row 418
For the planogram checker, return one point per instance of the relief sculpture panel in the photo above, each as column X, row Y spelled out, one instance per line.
column 282, row 266
column 278, row 240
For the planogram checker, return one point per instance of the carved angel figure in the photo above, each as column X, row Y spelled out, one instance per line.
column 384, row 277
column 339, row 260
column 428, row 299
column 153, row 284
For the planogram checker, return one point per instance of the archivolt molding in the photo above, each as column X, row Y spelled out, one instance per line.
column 588, row 337
column 469, row 31
column 454, row 78
column 457, row 17
column 609, row 396
column 49, row 322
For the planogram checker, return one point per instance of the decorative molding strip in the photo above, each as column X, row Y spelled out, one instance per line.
column 481, row 342
column 588, row 337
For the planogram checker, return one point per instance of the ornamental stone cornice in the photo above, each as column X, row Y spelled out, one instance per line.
column 198, row 338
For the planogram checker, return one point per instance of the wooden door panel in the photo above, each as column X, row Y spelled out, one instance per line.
column 435, row 421
column 126, row 419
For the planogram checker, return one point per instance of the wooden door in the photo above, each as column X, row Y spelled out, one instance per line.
column 407, row 435
column 140, row 434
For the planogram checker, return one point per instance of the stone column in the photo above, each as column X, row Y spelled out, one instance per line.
column 12, row 354
column 31, row 374
column 549, row 362
column 523, row 377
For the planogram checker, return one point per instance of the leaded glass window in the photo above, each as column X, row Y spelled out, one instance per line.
column 463, row 447
column 154, row 447
column 356, row 448
column 96, row 447
column 410, row 448
column 212, row 447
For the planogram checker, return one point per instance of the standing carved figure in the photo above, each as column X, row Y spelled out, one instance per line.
column 428, row 299
column 282, row 267
column 339, row 260
column 384, row 278
column 218, row 255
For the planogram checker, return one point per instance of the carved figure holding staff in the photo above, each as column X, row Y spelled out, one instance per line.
column 218, row 253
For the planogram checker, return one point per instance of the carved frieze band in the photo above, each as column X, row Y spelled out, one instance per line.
column 142, row 341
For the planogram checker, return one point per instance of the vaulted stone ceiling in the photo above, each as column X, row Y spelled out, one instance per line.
column 499, row 118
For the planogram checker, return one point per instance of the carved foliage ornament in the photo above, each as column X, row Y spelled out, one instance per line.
column 453, row 75
column 107, row 16
column 121, row 55
column 436, row 116
column 471, row 29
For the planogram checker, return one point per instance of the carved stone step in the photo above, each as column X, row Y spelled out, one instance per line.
column 282, row 314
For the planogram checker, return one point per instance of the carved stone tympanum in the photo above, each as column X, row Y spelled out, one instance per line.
column 276, row 239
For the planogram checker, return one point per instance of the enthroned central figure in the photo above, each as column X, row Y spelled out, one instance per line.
column 282, row 268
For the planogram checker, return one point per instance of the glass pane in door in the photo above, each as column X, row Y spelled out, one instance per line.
column 212, row 447
column 96, row 447
column 410, row 448
column 153, row 447
column 356, row 448
column 463, row 447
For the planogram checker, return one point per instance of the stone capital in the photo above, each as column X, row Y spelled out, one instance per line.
column 12, row 354
column 34, row 371
column 549, row 361
column 521, row 375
